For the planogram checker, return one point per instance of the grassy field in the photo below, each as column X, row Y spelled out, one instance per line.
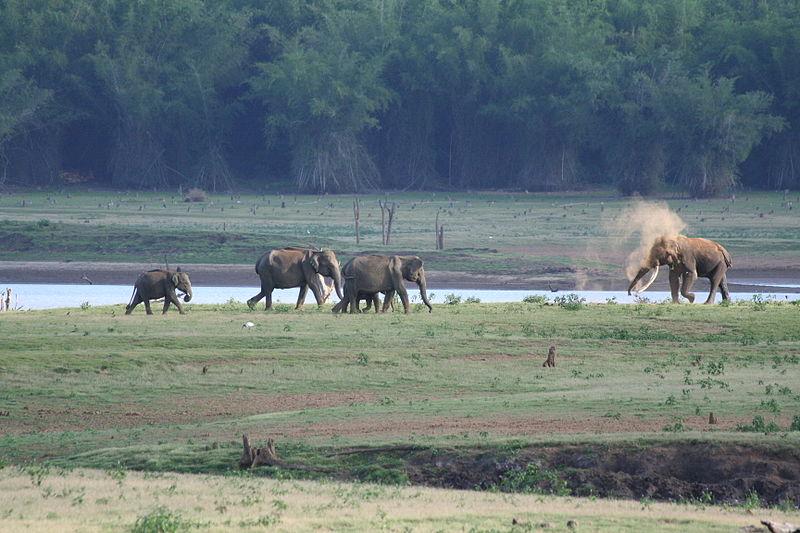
column 94, row 388
column 115, row 500
column 535, row 235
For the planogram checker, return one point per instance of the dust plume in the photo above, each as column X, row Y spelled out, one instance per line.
column 646, row 221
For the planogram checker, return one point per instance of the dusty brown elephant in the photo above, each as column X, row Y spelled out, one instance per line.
column 371, row 274
column 688, row 258
column 155, row 284
column 285, row 268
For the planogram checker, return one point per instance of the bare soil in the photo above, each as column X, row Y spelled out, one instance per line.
column 680, row 471
column 741, row 279
column 171, row 411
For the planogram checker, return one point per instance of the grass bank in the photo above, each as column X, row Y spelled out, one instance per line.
column 92, row 387
column 538, row 237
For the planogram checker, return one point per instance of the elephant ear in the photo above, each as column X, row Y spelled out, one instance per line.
column 313, row 260
column 175, row 279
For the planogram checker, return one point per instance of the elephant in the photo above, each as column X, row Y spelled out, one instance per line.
column 687, row 258
column 371, row 274
column 284, row 268
column 155, row 284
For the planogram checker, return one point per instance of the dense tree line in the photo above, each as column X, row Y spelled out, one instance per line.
column 342, row 95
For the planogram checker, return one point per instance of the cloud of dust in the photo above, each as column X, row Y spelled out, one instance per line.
column 646, row 221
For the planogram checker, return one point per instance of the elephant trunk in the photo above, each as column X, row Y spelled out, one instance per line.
column 423, row 289
column 337, row 283
column 188, row 296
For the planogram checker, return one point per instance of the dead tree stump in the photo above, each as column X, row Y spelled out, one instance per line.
column 551, row 357
column 253, row 457
column 711, row 418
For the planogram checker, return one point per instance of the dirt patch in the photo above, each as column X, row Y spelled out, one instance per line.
column 173, row 411
column 516, row 426
column 685, row 471
column 239, row 275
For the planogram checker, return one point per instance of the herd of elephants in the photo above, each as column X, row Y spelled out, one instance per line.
column 366, row 276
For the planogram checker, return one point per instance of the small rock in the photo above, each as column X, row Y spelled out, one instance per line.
column 572, row 524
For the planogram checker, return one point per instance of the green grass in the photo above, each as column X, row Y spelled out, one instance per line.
column 544, row 236
column 93, row 387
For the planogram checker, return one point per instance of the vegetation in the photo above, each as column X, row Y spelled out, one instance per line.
column 92, row 387
column 92, row 500
column 345, row 95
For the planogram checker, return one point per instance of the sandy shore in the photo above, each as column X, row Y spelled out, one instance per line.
column 232, row 275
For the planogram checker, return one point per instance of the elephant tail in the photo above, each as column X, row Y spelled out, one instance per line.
column 727, row 256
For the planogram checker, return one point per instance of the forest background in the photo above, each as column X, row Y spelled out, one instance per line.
column 693, row 96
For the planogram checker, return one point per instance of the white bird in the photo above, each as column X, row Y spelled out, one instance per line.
column 248, row 325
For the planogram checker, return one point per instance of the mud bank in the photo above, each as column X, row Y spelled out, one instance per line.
column 711, row 473
column 234, row 275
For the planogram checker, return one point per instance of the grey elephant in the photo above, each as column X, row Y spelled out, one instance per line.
column 284, row 268
column 371, row 274
column 687, row 258
column 155, row 284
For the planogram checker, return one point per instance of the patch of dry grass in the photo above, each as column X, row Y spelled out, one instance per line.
column 96, row 500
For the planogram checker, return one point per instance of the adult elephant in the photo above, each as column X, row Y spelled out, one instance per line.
column 688, row 258
column 371, row 274
column 155, row 284
column 285, row 268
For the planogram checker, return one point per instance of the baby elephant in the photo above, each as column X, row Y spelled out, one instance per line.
column 155, row 284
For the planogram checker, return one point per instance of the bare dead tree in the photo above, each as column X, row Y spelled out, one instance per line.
column 356, row 217
column 387, row 216
column 436, row 231
column 441, row 237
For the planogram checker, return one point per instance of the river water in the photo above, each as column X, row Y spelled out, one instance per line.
column 48, row 296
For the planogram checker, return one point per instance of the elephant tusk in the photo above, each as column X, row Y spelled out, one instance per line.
column 644, row 283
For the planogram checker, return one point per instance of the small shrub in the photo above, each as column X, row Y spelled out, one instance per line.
column 533, row 479
column 536, row 299
column 677, row 426
column 759, row 303
column 759, row 426
column 472, row 300
column 195, row 195
column 363, row 359
column 85, row 306
column 795, row 425
column 452, row 299
column 43, row 223
column 571, row 302
column 160, row 520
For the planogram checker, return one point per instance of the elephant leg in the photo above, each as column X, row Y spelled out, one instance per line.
column 674, row 285
column 251, row 303
column 147, row 307
column 173, row 298
column 301, row 298
column 268, row 305
column 689, row 278
column 388, row 301
column 166, row 306
column 401, row 290
column 136, row 301
column 376, row 302
column 715, row 279
column 723, row 288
